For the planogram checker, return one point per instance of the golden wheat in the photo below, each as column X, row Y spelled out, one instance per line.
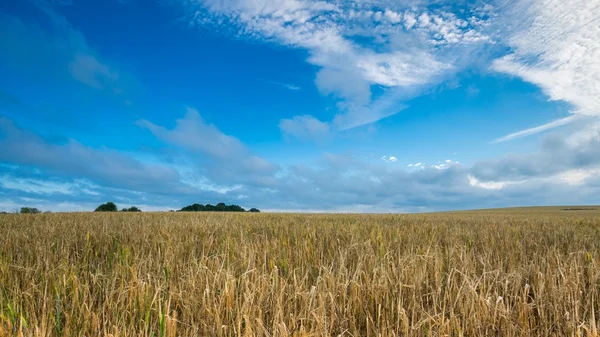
column 517, row 273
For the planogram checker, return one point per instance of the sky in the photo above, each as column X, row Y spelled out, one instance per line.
column 299, row 105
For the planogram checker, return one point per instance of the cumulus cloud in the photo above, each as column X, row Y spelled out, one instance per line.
column 304, row 127
column 228, row 158
column 558, row 153
column 564, row 171
column 46, row 189
column 72, row 158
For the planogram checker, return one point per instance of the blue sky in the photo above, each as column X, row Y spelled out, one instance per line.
column 299, row 105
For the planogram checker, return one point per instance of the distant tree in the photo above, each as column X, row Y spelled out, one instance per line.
column 4, row 212
column 234, row 208
column 193, row 208
column 107, row 207
column 220, row 207
column 29, row 210
column 131, row 209
column 253, row 210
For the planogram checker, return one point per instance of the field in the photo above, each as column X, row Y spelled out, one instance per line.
column 519, row 272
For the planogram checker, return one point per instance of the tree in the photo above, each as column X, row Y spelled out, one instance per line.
column 234, row 208
column 193, row 208
column 107, row 207
column 29, row 210
column 131, row 209
column 220, row 207
column 253, row 210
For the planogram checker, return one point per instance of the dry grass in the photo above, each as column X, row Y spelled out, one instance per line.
column 518, row 273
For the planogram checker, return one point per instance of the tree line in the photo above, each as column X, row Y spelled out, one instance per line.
column 112, row 207
column 220, row 207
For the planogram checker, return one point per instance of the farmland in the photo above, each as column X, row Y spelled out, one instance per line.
column 516, row 272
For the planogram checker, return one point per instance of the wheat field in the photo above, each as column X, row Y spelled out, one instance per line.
column 520, row 272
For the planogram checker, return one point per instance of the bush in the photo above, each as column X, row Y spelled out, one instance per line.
column 107, row 207
column 254, row 210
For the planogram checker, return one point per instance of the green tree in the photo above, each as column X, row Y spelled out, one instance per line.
column 220, row 207
column 254, row 210
column 131, row 209
column 29, row 210
column 107, row 207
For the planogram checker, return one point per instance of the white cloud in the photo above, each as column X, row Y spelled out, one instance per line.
column 392, row 16
column 578, row 177
column 565, row 170
column 230, row 160
column 304, row 127
column 109, row 167
column 488, row 185
column 400, row 68
column 292, row 87
column 193, row 133
column 409, row 20
column 556, row 46
column 288, row 86
column 439, row 166
column 348, row 69
column 42, row 186
column 537, row 129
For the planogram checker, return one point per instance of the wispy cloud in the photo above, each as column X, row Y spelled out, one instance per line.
column 556, row 45
column 65, row 50
column 288, row 86
column 538, row 129
column 412, row 47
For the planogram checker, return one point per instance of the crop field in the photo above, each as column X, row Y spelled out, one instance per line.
column 514, row 272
